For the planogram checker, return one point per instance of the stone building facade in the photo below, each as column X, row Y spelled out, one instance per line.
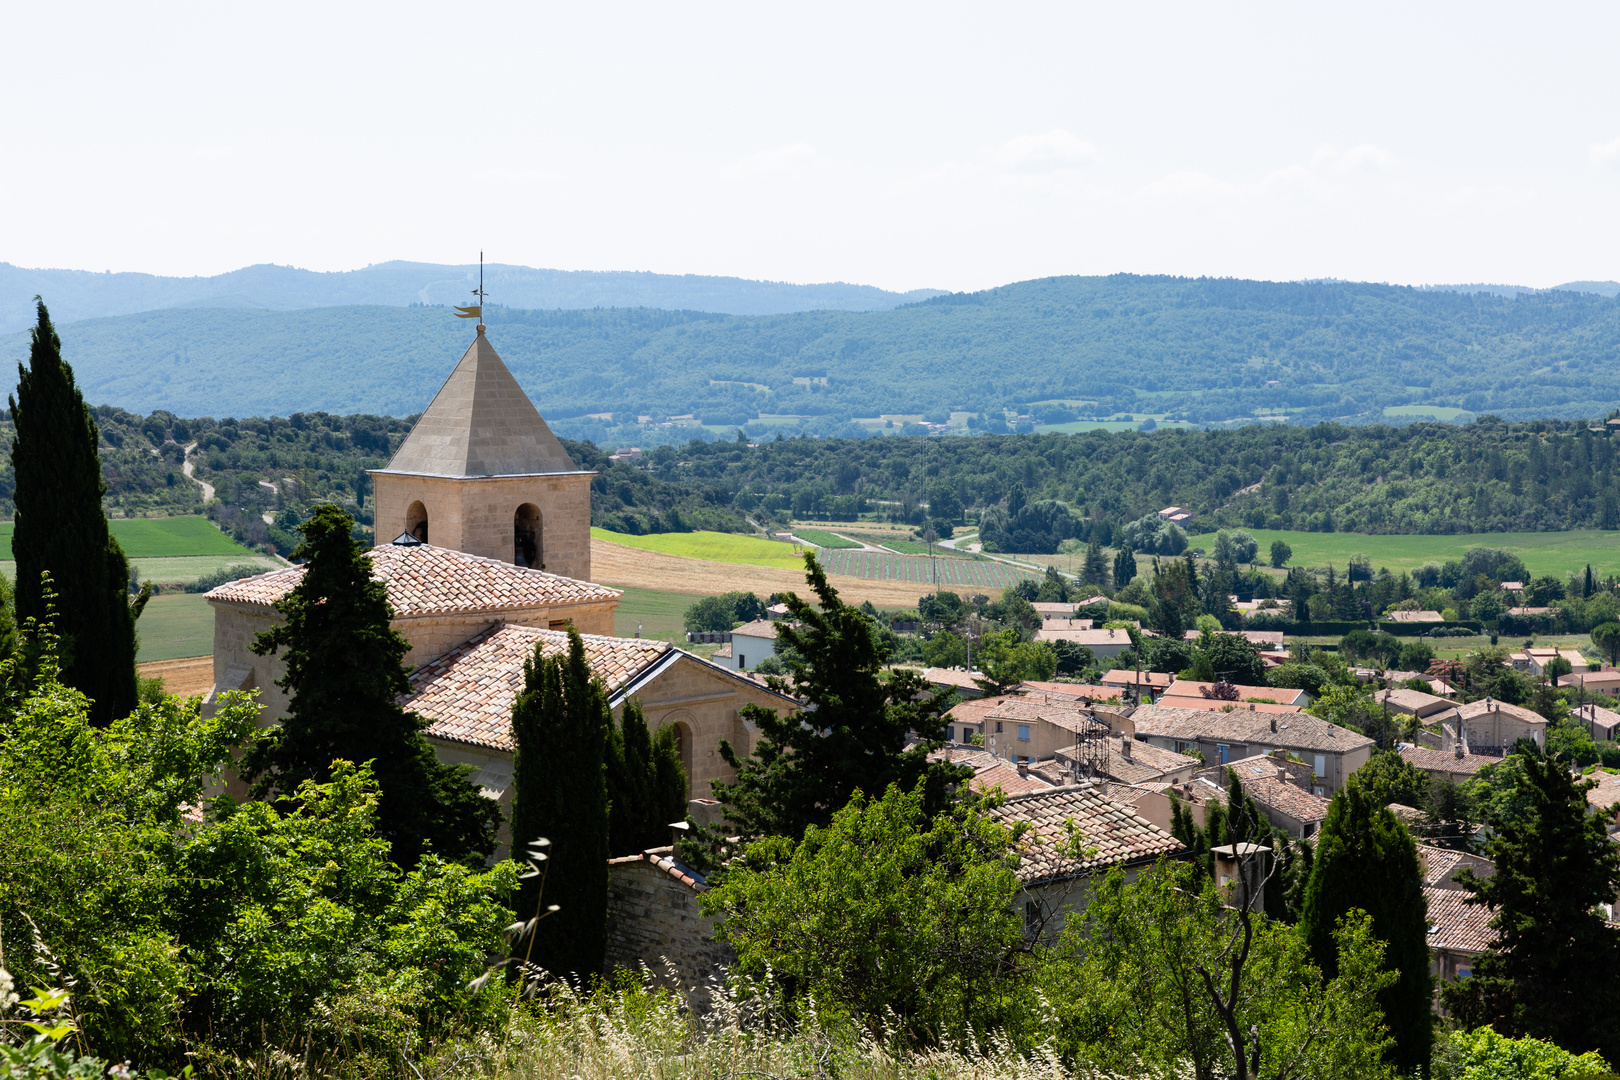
column 654, row 917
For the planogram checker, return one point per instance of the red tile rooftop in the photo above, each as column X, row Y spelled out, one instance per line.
column 427, row 580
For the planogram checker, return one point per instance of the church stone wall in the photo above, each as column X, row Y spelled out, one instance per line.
column 235, row 628
column 653, row 917
column 475, row 515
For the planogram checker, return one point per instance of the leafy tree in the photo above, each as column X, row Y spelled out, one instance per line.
column 1366, row 860
column 886, row 914
column 61, row 530
column 1163, row 973
column 1387, row 777
column 1488, row 607
column 800, row 773
column 1280, row 554
column 646, row 783
column 1008, row 660
column 345, row 674
column 1606, row 636
column 1482, row 1054
column 560, row 726
column 1072, row 659
column 1553, row 971
column 944, row 649
column 1167, row 654
column 1124, row 566
column 1297, row 676
column 724, row 612
column 1234, row 658
column 943, row 609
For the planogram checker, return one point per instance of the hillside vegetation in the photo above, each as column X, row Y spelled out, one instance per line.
column 1062, row 348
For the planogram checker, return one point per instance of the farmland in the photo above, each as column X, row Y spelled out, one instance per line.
column 824, row 539
column 158, row 538
column 710, row 547
column 175, row 625
column 1555, row 553
column 920, row 569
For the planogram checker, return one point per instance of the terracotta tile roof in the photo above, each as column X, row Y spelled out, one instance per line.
column 1198, row 701
column 1050, row 623
column 1146, row 764
column 1455, row 925
column 427, row 580
column 1089, row 638
column 1004, row 776
column 1410, row 700
column 973, row 710
column 1300, row 731
column 1128, row 677
column 1075, row 690
column 1117, row 832
column 1264, row 638
column 1280, row 695
column 467, row 694
column 1595, row 715
column 1048, row 609
column 1286, row 798
column 1413, row 616
column 761, row 628
column 940, row 676
column 664, row 859
column 1488, row 705
column 1607, row 792
column 1431, row 760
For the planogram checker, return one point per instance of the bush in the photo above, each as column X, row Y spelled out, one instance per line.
column 219, row 577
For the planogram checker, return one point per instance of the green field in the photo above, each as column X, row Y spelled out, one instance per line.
column 1555, row 553
column 824, row 539
column 660, row 615
column 917, row 547
column 711, row 546
column 158, row 538
column 1439, row 412
column 179, row 571
column 175, row 625
column 953, row 573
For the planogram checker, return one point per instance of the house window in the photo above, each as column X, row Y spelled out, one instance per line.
column 1222, row 751
column 742, row 661
column 950, row 734
column 998, row 727
column 1319, row 766
column 1032, row 917
column 1023, row 733
column 1463, row 973
column 1182, row 747
column 1023, row 759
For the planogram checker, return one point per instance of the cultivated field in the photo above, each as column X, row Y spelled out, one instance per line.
column 710, row 547
column 175, row 625
column 644, row 568
column 190, row 677
column 159, row 538
column 947, row 572
column 824, row 539
column 660, row 615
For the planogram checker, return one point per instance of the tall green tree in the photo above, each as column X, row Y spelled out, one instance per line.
column 1095, row 571
column 1124, row 566
column 560, row 730
column 344, row 676
column 853, row 734
column 646, row 783
column 1366, row 860
column 1554, row 969
column 61, row 529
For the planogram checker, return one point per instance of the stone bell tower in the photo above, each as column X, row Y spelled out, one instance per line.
column 482, row 473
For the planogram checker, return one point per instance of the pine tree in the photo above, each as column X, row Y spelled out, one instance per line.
column 1366, row 859
column 61, row 529
column 344, row 675
column 646, row 783
column 1554, row 969
column 800, row 773
column 1124, row 566
column 560, row 730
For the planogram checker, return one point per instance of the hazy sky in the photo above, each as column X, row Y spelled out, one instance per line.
column 943, row 145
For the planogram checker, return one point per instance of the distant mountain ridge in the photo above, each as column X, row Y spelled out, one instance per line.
column 1204, row 350
column 1597, row 288
column 73, row 295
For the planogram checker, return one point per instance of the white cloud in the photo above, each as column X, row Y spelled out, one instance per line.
column 789, row 158
column 1054, row 151
column 1363, row 158
column 1605, row 153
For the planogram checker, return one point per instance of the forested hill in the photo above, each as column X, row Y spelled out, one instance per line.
column 1419, row 478
column 81, row 294
column 1203, row 350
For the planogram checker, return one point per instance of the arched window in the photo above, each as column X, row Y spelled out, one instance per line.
column 416, row 522
column 683, row 742
column 528, row 539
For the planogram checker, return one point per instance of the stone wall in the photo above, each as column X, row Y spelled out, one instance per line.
column 652, row 917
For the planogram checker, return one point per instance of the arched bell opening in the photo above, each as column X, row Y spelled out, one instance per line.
column 528, row 547
column 416, row 521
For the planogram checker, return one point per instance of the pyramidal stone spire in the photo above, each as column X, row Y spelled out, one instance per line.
column 481, row 423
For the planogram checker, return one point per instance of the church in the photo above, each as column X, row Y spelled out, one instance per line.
column 491, row 557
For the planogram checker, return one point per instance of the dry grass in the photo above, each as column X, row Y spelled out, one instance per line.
column 617, row 565
column 191, row 677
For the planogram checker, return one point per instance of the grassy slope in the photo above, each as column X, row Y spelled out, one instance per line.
column 711, row 546
column 157, row 538
column 175, row 625
column 823, row 538
column 1543, row 553
column 660, row 615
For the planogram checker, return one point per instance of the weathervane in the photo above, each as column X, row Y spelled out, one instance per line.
column 477, row 310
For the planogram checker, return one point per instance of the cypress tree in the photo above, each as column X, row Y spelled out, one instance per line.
column 1366, row 859
column 560, row 730
column 61, row 528
column 344, row 675
column 1095, row 571
column 646, row 783
column 1124, row 566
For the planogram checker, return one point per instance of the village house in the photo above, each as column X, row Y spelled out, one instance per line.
column 1534, row 660
column 963, row 683
column 1332, row 752
column 1049, row 610
column 1603, row 723
column 1281, row 788
column 490, row 560
column 1459, row 932
column 1428, row 708
column 1413, row 617
column 751, row 645
column 1605, row 680
column 1264, row 640
column 1442, row 865
column 1492, row 727
column 1104, row 644
column 1187, row 694
column 1053, row 880
column 1455, row 764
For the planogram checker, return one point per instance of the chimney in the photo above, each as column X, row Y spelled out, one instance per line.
column 1023, row 768
column 1251, row 706
column 1273, row 725
column 1459, row 749
column 1125, row 747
